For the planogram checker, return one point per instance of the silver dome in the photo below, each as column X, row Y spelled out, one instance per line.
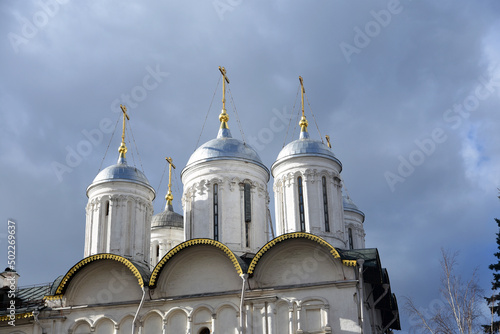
column 167, row 218
column 224, row 147
column 350, row 206
column 304, row 146
column 121, row 172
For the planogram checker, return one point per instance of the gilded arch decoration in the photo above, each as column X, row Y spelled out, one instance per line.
column 202, row 241
column 297, row 235
column 80, row 265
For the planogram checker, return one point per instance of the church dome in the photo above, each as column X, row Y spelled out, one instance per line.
column 224, row 147
column 306, row 147
column 350, row 206
column 167, row 218
column 121, row 172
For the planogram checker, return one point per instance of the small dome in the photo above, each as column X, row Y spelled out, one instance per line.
column 167, row 218
column 224, row 147
column 121, row 172
column 304, row 146
column 350, row 206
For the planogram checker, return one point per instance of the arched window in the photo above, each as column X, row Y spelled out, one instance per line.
column 325, row 205
column 302, row 218
column 351, row 242
column 204, row 330
column 216, row 212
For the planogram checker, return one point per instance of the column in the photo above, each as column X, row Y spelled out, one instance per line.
column 271, row 313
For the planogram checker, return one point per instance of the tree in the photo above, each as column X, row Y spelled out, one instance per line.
column 494, row 325
column 458, row 310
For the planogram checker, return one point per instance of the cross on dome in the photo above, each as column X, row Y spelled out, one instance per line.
column 123, row 149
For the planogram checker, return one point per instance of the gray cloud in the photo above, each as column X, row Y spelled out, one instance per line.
column 65, row 78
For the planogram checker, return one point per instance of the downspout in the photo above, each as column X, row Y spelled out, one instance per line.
column 138, row 310
column 372, row 308
column 396, row 313
column 386, row 289
column 35, row 317
column 361, row 294
column 244, row 278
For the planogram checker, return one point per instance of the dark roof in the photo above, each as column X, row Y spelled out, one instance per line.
column 377, row 276
column 27, row 299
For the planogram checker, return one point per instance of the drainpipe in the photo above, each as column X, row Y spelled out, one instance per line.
column 35, row 317
column 244, row 278
column 138, row 310
column 372, row 308
column 361, row 294
column 395, row 313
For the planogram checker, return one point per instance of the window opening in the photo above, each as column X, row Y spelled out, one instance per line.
column 301, row 206
column 325, row 206
column 216, row 212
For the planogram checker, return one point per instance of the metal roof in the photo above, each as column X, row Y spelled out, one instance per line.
column 121, row 172
column 224, row 147
column 306, row 147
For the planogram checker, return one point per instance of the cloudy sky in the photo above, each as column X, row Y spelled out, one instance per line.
column 409, row 92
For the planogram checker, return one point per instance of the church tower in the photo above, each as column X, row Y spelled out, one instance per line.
column 307, row 188
column 354, row 219
column 225, row 191
column 167, row 227
column 119, row 210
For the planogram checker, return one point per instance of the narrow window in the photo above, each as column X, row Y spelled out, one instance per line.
column 325, row 206
column 247, row 234
column 107, row 208
column 351, row 242
column 216, row 212
column 248, row 212
column 248, row 204
column 157, row 251
column 301, row 206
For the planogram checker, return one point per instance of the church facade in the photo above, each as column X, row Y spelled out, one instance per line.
column 214, row 268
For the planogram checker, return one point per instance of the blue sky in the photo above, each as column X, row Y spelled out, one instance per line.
column 408, row 91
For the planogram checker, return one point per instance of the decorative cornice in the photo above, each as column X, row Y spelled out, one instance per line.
column 25, row 315
column 55, row 297
column 202, row 241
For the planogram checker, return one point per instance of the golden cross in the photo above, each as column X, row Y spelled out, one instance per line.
column 123, row 148
column 303, row 121
column 223, row 117
column 302, row 91
column 169, row 196
column 328, row 141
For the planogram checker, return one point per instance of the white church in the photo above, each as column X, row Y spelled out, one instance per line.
column 213, row 268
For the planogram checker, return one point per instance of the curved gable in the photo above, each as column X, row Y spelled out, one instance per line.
column 297, row 259
column 198, row 266
column 297, row 235
column 237, row 263
column 106, row 276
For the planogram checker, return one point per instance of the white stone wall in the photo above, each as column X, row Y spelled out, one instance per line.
column 198, row 204
column 166, row 238
column 354, row 221
column 125, row 227
column 311, row 169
